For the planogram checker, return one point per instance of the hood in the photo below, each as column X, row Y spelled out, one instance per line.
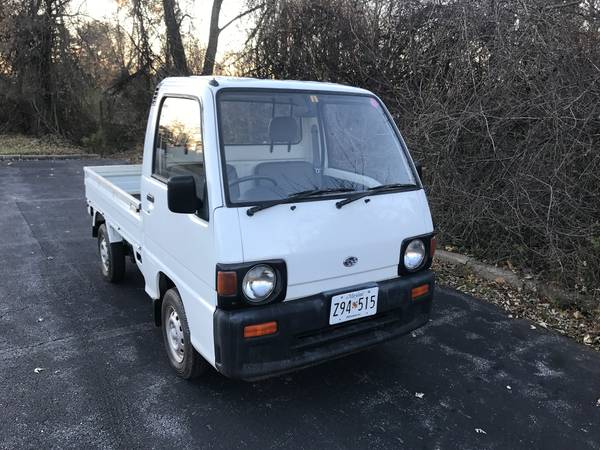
column 315, row 239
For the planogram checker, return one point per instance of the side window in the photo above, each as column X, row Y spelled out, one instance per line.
column 179, row 148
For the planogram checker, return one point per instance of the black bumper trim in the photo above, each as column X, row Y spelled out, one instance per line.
column 305, row 338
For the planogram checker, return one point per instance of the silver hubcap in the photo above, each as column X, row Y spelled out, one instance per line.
column 174, row 332
column 104, row 255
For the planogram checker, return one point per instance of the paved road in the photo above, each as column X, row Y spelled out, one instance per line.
column 106, row 381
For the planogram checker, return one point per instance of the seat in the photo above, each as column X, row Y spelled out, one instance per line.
column 196, row 170
column 284, row 130
column 291, row 176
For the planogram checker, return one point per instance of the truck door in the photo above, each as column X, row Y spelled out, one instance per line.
column 180, row 245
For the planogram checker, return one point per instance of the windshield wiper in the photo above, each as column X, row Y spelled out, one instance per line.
column 373, row 190
column 295, row 196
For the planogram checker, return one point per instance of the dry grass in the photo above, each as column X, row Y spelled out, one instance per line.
column 17, row 144
column 133, row 156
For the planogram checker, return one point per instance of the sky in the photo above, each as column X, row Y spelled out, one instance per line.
column 231, row 39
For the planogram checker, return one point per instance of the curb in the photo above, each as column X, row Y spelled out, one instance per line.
column 46, row 157
column 493, row 273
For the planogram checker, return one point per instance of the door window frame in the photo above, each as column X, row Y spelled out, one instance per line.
column 205, row 209
column 153, row 174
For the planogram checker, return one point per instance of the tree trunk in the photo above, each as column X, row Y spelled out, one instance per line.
column 39, row 67
column 174, row 42
column 213, row 39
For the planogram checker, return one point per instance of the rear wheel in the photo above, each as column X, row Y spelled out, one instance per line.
column 112, row 257
column 184, row 359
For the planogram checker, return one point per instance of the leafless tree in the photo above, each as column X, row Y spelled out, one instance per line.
column 174, row 41
column 499, row 99
column 215, row 32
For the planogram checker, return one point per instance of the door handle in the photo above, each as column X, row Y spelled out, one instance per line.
column 150, row 198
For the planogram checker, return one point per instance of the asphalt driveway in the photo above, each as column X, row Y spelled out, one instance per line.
column 486, row 381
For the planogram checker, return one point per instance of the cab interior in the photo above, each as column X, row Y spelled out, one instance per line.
column 291, row 162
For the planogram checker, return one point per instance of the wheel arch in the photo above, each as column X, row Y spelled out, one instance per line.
column 97, row 220
column 164, row 284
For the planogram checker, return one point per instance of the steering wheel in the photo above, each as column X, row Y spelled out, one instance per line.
column 252, row 177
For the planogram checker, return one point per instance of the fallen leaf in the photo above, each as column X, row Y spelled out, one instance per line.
column 38, row 369
column 543, row 324
column 509, row 388
column 587, row 339
column 419, row 394
column 40, row 319
column 598, row 403
column 533, row 327
column 480, row 431
column 577, row 315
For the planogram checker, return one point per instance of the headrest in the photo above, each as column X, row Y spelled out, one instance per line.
column 284, row 129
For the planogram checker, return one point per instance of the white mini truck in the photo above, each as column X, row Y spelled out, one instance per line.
column 277, row 224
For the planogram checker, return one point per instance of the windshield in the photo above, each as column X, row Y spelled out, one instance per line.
column 277, row 144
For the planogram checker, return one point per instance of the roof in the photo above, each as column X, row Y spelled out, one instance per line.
column 239, row 82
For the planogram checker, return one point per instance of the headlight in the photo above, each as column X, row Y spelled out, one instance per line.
column 259, row 283
column 414, row 255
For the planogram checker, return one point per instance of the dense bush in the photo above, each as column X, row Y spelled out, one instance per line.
column 499, row 99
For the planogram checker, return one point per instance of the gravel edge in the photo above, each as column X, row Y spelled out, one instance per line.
column 545, row 306
column 493, row 273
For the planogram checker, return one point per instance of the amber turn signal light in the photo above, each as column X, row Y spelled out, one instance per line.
column 261, row 329
column 419, row 291
column 227, row 283
column 432, row 246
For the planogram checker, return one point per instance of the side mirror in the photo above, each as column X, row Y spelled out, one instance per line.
column 181, row 195
column 419, row 168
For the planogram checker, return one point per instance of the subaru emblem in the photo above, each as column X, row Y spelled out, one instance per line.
column 350, row 261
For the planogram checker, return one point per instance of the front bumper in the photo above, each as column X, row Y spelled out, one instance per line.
column 304, row 336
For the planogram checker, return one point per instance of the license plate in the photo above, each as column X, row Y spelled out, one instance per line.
column 353, row 305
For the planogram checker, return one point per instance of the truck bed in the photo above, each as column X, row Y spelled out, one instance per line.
column 114, row 191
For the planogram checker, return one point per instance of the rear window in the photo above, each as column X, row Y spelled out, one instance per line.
column 246, row 122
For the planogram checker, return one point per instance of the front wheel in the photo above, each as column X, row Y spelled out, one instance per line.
column 184, row 359
column 112, row 257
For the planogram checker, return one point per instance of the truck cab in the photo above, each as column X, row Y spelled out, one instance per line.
column 277, row 224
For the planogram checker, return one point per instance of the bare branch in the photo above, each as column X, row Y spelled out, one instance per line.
column 239, row 16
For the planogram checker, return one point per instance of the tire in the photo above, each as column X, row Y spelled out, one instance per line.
column 183, row 358
column 112, row 257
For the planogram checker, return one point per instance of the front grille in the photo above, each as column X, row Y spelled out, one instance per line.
column 333, row 334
